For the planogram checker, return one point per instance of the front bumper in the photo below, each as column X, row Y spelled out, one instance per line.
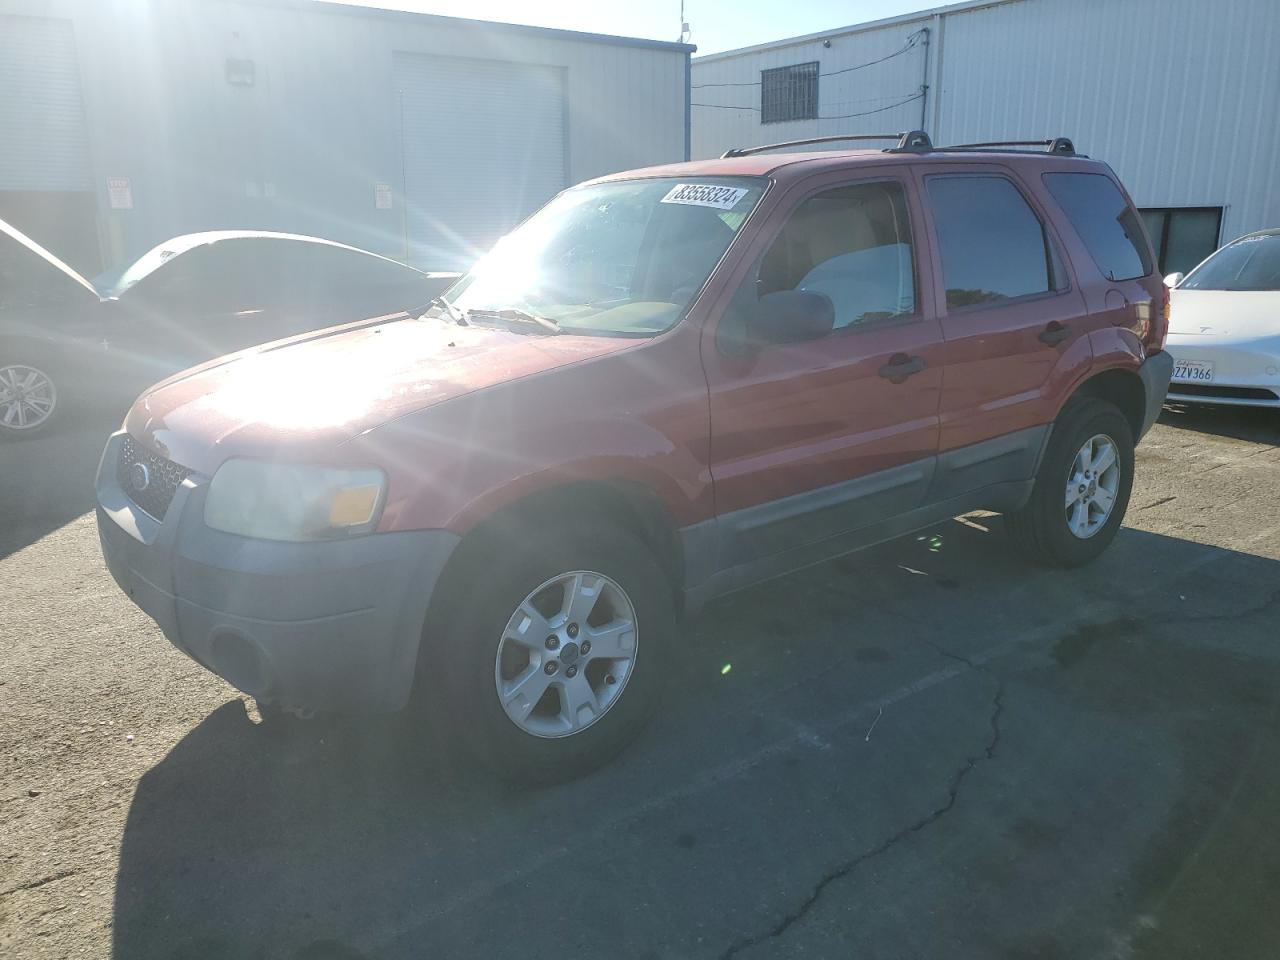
column 1244, row 373
column 1155, row 372
column 332, row 625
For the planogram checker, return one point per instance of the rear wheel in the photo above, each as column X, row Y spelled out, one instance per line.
column 559, row 653
column 29, row 398
column 1082, row 489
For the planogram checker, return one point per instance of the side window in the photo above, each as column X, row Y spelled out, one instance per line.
column 992, row 245
column 1105, row 222
column 852, row 244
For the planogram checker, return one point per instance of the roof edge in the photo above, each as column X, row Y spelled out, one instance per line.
column 413, row 16
column 962, row 7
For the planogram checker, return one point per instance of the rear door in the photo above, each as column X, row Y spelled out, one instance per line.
column 1010, row 315
column 815, row 439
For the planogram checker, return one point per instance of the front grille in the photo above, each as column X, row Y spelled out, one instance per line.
column 164, row 477
column 1226, row 393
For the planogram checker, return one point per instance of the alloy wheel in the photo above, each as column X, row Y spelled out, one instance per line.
column 1092, row 486
column 566, row 654
column 27, row 397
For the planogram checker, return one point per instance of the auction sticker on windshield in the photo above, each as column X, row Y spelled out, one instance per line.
column 705, row 195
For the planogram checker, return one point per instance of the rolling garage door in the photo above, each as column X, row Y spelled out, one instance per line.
column 45, row 186
column 484, row 146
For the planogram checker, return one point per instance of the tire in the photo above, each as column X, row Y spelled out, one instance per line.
column 1043, row 529
column 478, row 651
column 31, row 400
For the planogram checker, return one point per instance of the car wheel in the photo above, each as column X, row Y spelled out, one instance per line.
column 29, row 400
column 1082, row 488
column 559, row 654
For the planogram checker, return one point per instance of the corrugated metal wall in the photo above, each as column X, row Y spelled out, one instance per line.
column 1181, row 97
column 303, row 146
column 43, row 144
column 880, row 96
column 502, row 158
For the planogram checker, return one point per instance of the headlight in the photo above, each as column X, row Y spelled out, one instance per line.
column 286, row 501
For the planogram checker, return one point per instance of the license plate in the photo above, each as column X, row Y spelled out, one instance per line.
column 1193, row 371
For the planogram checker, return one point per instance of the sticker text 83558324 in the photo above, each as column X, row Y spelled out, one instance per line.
column 705, row 195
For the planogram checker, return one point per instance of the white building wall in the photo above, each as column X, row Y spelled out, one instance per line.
column 302, row 148
column 725, row 88
column 1181, row 97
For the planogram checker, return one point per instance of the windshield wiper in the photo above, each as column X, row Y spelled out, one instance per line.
column 452, row 312
column 516, row 315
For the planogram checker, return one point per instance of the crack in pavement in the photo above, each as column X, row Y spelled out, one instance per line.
column 847, row 867
column 39, row 882
column 997, row 708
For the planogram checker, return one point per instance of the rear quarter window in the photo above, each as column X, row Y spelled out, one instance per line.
column 1108, row 226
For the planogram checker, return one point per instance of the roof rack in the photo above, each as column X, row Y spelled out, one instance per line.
column 1059, row 145
column 917, row 141
column 913, row 140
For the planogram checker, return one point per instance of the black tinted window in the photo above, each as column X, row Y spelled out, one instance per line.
column 210, row 280
column 1105, row 222
column 992, row 244
column 1251, row 263
column 852, row 244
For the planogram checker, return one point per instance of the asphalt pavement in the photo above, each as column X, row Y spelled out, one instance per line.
column 930, row 749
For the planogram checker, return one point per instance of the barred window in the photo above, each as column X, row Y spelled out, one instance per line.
column 789, row 93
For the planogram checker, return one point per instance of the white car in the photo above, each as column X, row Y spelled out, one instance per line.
column 1224, row 325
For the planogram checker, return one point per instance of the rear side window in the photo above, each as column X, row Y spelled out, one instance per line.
column 1105, row 222
column 992, row 244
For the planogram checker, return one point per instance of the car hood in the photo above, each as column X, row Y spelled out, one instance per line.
column 1228, row 315
column 307, row 396
column 88, row 291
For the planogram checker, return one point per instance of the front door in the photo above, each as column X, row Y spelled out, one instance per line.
column 816, row 439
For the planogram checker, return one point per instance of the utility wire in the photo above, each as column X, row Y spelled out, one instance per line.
column 867, row 113
column 912, row 41
column 841, row 116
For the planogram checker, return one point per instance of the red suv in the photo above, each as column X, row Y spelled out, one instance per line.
column 664, row 386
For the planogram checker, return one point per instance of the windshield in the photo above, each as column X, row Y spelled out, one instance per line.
column 1251, row 263
column 624, row 258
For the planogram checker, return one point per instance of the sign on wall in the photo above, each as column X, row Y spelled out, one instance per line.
column 382, row 196
column 119, row 193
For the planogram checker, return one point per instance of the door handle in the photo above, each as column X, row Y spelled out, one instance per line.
column 1055, row 333
column 901, row 366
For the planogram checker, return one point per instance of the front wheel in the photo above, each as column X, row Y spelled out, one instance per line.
column 29, row 398
column 1082, row 488
column 559, row 655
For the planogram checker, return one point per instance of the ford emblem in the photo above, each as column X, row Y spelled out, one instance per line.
column 139, row 477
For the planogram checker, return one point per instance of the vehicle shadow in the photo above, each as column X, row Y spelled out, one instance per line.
column 368, row 839
column 1255, row 424
column 47, row 481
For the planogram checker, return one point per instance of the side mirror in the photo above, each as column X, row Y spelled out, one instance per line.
column 1173, row 279
column 792, row 316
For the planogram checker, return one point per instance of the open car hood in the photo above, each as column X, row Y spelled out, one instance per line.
column 36, row 250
